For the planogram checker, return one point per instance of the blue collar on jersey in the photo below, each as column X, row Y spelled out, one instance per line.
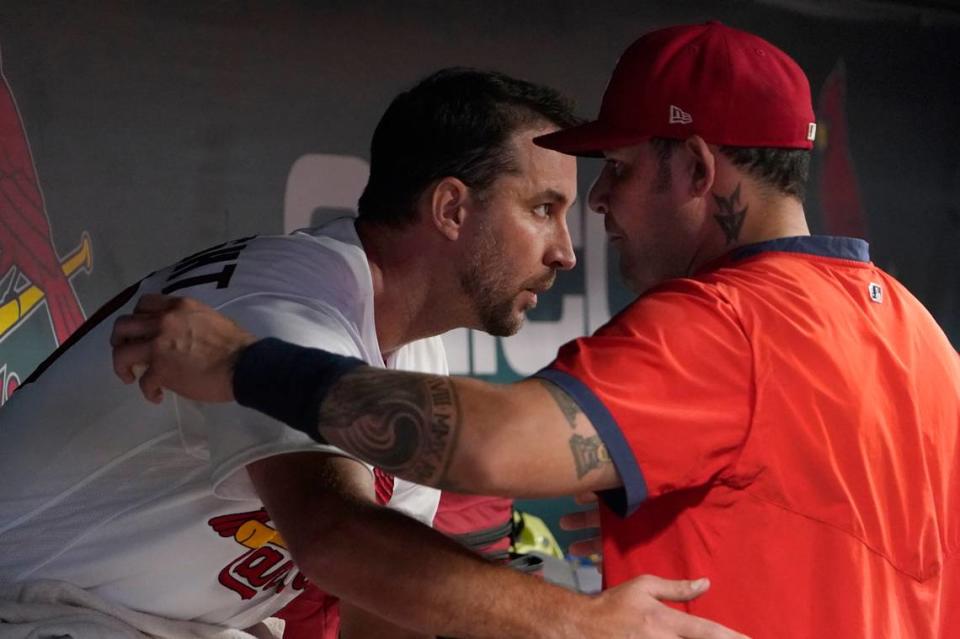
column 845, row 248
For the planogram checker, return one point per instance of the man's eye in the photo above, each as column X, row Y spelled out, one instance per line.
column 616, row 167
column 541, row 210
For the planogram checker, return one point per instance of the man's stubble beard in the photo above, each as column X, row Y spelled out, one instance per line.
column 484, row 281
column 636, row 281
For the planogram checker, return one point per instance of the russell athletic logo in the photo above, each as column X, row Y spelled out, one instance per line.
column 32, row 274
column 679, row 116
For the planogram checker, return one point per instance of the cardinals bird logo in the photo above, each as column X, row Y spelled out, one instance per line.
column 265, row 565
column 843, row 213
column 32, row 275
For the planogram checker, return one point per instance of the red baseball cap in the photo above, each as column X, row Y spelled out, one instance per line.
column 728, row 86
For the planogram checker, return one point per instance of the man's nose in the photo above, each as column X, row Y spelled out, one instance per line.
column 561, row 255
column 597, row 198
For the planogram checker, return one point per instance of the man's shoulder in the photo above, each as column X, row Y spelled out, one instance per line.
column 708, row 288
column 301, row 264
column 296, row 267
column 675, row 306
column 423, row 356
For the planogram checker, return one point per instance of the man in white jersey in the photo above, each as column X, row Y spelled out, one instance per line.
column 157, row 511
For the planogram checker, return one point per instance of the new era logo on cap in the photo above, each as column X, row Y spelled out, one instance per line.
column 812, row 131
column 679, row 116
column 876, row 293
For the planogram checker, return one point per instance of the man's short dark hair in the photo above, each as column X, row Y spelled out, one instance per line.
column 783, row 170
column 455, row 123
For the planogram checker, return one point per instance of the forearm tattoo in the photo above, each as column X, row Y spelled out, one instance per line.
column 567, row 406
column 407, row 424
column 731, row 216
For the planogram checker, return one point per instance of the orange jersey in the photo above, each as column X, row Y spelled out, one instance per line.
column 786, row 424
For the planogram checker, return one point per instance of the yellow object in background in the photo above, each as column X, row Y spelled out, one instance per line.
column 531, row 534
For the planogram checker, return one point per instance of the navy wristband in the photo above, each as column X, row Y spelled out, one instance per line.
column 288, row 382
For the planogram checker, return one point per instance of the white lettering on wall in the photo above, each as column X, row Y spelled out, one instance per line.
column 596, row 278
column 320, row 181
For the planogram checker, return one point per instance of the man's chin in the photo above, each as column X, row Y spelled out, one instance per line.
column 505, row 325
column 633, row 279
column 638, row 284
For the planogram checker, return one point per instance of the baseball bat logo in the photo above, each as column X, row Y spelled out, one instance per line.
column 32, row 275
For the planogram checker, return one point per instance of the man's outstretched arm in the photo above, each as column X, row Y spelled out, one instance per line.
column 189, row 348
column 399, row 569
column 525, row 439
column 521, row 440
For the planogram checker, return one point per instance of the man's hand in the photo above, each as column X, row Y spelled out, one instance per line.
column 589, row 519
column 180, row 344
column 633, row 610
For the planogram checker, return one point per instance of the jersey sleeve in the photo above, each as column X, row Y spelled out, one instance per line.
column 233, row 436
column 668, row 386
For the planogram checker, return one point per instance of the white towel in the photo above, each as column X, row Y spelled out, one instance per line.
column 49, row 609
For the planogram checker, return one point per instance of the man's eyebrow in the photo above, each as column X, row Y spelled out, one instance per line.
column 551, row 194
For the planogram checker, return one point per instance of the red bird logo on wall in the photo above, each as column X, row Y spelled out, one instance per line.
column 843, row 213
column 32, row 275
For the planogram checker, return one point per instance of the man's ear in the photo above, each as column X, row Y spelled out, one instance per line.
column 449, row 206
column 701, row 165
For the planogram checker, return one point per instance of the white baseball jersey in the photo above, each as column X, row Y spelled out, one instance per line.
column 150, row 506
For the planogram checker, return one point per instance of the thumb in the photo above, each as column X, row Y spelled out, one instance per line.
column 580, row 520
column 586, row 547
column 675, row 589
column 151, row 386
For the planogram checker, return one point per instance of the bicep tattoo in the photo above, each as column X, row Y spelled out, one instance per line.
column 564, row 402
column 407, row 424
column 589, row 453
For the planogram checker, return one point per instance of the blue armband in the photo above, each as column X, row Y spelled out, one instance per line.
column 288, row 382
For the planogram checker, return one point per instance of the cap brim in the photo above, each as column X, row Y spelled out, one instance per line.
column 589, row 140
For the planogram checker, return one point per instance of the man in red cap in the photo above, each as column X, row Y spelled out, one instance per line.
column 773, row 410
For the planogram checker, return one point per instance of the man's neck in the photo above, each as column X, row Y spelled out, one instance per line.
column 783, row 217
column 407, row 294
column 741, row 216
